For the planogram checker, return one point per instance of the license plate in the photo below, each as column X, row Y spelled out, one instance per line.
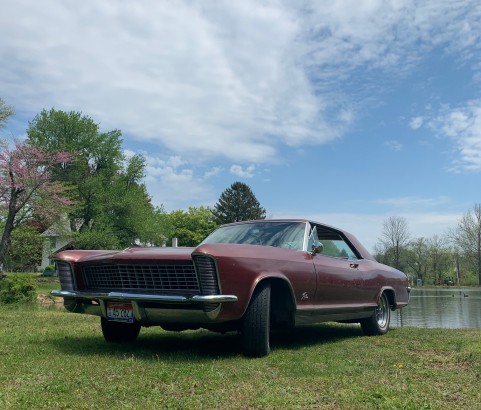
column 120, row 312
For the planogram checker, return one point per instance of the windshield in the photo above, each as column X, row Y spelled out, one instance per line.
column 279, row 234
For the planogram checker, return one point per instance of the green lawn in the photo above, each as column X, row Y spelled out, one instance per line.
column 58, row 360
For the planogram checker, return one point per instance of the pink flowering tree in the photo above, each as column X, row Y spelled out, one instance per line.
column 27, row 190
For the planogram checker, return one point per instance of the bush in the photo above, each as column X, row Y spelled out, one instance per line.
column 469, row 279
column 18, row 289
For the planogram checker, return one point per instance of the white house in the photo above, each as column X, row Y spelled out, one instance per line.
column 56, row 238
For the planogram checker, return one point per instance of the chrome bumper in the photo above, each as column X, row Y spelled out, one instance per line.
column 142, row 297
column 93, row 303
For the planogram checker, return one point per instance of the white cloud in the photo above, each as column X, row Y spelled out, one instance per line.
column 174, row 186
column 463, row 126
column 225, row 79
column 394, row 145
column 416, row 123
column 212, row 172
column 414, row 202
column 239, row 171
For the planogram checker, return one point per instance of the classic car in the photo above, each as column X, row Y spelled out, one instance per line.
column 250, row 277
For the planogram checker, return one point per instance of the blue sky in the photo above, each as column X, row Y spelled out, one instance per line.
column 346, row 112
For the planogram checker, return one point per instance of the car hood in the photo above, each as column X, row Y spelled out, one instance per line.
column 134, row 253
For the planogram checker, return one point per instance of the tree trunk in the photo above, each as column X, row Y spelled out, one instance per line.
column 9, row 225
column 479, row 269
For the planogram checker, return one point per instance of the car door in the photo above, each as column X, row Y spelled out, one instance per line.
column 339, row 281
column 339, row 270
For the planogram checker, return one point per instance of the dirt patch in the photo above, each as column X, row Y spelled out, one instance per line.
column 49, row 301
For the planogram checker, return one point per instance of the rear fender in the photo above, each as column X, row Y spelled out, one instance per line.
column 391, row 296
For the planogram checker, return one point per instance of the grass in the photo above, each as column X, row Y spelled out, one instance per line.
column 58, row 360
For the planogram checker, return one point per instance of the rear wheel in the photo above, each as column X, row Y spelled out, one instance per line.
column 256, row 323
column 378, row 323
column 118, row 332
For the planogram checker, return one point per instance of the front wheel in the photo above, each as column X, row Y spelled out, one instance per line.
column 378, row 323
column 118, row 332
column 256, row 323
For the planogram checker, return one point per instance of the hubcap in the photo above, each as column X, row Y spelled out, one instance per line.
column 382, row 312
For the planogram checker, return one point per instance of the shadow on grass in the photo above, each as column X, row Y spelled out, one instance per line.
column 200, row 345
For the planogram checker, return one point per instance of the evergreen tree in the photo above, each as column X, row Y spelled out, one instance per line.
column 238, row 203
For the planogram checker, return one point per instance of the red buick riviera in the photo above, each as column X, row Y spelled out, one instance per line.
column 249, row 277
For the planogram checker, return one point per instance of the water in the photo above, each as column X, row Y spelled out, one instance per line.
column 441, row 308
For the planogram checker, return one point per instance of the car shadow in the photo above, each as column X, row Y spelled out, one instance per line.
column 201, row 344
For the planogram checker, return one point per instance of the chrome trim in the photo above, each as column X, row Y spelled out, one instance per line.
column 144, row 297
column 193, row 255
column 71, row 268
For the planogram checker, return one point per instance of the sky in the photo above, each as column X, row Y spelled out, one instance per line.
column 344, row 112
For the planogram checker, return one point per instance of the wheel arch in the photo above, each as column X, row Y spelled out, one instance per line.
column 391, row 296
column 282, row 301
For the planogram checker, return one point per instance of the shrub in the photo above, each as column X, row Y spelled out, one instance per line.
column 18, row 289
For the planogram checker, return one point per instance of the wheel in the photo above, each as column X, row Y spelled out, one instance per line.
column 378, row 323
column 118, row 332
column 256, row 323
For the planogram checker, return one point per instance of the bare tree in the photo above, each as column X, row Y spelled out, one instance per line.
column 417, row 259
column 439, row 257
column 395, row 238
column 467, row 237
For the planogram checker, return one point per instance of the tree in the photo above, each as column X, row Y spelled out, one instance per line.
column 440, row 257
column 394, row 240
column 238, row 203
column 25, row 252
column 113, row 207
column 467, row 237
column 417, row 259
column 96, row 159
column 191, row 227
column 27, row 190
column 6, row 112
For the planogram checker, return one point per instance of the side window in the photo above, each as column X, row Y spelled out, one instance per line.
column 334, row 244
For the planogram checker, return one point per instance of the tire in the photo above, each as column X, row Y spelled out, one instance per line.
column 378, row 323
column 118, row 332
column 256, row 323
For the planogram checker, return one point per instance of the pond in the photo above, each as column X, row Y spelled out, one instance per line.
column 449, row 307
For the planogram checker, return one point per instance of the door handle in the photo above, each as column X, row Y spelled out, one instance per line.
column 354, row 265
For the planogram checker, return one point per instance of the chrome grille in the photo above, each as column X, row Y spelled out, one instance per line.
column 174, row 276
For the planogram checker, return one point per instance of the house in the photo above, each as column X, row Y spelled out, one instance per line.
column 56, row 238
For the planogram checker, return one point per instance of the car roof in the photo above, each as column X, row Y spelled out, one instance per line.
column 350, row 237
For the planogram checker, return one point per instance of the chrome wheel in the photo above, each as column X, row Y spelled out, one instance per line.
column 383, row 312
column 378, row 323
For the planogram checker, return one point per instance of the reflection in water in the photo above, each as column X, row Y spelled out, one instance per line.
column 442, row 308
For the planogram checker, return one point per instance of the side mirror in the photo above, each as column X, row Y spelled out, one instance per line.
column 317, row 247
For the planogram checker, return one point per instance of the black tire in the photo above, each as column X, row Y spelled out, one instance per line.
column 118, row 332
column 256, row 323
column 378, row 323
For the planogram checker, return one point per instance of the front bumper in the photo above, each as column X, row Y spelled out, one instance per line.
column 122, row 296
column 148, row 308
